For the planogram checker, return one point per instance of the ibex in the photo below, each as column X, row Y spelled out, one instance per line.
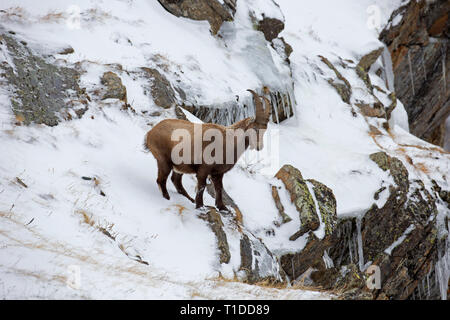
column 163, row 142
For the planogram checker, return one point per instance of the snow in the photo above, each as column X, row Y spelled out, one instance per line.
column 158, row 248
column 402, row 238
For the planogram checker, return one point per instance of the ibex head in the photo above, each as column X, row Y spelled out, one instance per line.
column 259, row 124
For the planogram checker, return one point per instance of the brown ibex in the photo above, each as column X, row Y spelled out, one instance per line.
column 162, row 141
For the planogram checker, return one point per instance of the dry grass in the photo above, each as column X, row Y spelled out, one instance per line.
column 374, row 135
column 436, row 149
column 238, row 219
column 13, row 14
column 53, row 16
column 106, row 228
column 422, row 167
column 270, row 284
column 180, row 208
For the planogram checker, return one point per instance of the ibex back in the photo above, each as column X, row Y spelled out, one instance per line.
column 204, row 149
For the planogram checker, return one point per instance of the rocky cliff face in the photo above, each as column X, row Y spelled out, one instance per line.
column 287, row 227
column 398, row 243
column 417, row 37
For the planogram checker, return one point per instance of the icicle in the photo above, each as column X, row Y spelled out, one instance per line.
column 442, row 269
column 388, row 69
column 275, row 106
column 360, row 245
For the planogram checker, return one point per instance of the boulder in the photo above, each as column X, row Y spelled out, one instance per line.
column 327, row 205
column 215, row 223
column 114, row 87
column 341, row 84
column 301, row 198
column 258, row 262
column 276, row 198
column 271, row 27
column 160, row 88
column 362, row 69
column 40, row 89
column 213, row 11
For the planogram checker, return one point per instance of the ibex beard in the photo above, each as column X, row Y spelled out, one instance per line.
column 204, row 149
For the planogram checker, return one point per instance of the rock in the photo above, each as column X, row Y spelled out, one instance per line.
column 160, row 88
column 114, row 87
column 327, row 205
column 399, row 240
column 287, row 47
column 67, row 50
column 362, row 69
column 229, row 202
column 271, row 27
column 301, row 198
column 258, row 262
column 341, row 85
column 376, row 111
column 211, row 10
column 40, row 89
column 419, row 48
column 276, row 197
column 216, row 225
column 396, row 168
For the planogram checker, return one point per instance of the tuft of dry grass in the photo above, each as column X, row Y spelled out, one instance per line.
column 238, row 219
column 422, row 167
column 13, row 14
column 89, row 220
column 53, row 16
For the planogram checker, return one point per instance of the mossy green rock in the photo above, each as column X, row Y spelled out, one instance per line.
column 301, row 198
column 395, row 166
column 327, row 205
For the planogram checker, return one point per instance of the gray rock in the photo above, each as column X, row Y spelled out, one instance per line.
column 114, row 87
column 160, row 88
column 301, row 198
column 40, row 90
column 210, row 10
column 258, row 262
column 215, row 223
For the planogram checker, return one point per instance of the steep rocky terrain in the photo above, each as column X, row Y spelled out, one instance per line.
column 342, row 200
column 417, row 37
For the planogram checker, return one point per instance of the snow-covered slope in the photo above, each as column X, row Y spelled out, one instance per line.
column 81, row 199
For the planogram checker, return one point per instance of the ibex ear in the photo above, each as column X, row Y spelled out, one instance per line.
column 259, row 110
column 267, row 109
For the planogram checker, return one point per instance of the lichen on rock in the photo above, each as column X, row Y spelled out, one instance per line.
column 327, row 205
column 41, row 90
column 301, row 198
column 114, row 87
